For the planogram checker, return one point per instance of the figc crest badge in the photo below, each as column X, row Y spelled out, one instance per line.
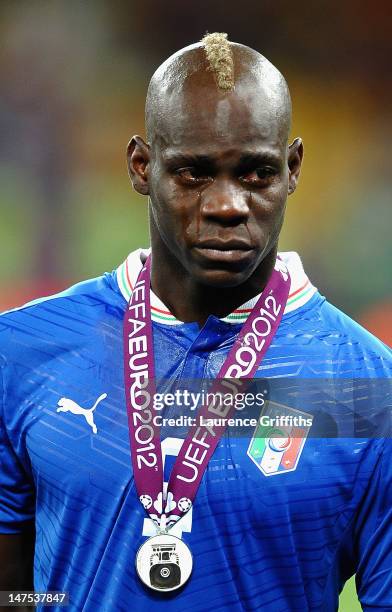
column 279, row 438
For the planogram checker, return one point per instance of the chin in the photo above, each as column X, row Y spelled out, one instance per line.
column 227, row 269
column 221, row 278
column 222, row 267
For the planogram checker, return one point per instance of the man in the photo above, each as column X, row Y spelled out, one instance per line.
column 264, row 534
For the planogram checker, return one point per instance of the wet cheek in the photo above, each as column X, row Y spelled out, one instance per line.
column 267, row 213
column 277, row 191
column 176, row 212
column 274, row 198
column 189, row 217
column 268, row 206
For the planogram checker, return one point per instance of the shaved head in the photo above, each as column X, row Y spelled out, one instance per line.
column 206, row 74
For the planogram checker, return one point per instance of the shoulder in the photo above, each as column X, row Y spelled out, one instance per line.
column 344, row 339
column 344, row 326
column 324, row 331
column 56, row 317
column 85, row 289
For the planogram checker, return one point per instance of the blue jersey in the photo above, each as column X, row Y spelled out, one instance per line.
column 263, row 538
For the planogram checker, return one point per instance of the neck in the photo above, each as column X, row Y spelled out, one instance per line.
column 190, row 301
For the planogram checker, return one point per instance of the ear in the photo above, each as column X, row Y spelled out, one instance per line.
column 138, row 158
column 296, row 152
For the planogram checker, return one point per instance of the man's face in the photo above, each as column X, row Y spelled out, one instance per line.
column 218, row 180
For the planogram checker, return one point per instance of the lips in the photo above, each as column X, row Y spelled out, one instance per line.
column 219, row 251
column 225, row 245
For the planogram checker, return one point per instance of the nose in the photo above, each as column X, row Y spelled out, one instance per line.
column 225, row 203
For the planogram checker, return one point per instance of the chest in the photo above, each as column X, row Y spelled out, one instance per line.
column 73, row 423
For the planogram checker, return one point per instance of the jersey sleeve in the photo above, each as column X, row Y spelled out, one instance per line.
column 374, row 538
column 16, row 490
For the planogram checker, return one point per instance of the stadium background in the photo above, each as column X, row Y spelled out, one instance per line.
column 73, row 78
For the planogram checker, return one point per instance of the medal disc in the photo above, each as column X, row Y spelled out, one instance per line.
column 164, row 562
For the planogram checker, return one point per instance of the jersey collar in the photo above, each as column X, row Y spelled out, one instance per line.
column 300, row 292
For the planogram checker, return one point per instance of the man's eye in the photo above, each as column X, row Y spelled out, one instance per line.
column 192, row 174
column 258, row 175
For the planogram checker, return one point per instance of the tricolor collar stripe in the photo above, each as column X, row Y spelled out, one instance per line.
column 127, row 274
column 294, row 293
column 302, row 290
column 156, row 315
column 308, row 287
column 162, row 312
column 122, row 282
column 239, row 316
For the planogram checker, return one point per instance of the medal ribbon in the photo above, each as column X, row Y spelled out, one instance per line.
column 202, row 439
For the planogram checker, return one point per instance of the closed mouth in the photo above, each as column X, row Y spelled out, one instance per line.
column 232, row 252
column 220, row 245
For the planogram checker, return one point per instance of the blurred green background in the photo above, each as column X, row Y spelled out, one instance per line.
column 73, row 79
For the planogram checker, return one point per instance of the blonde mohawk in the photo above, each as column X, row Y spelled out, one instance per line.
column 220, row 59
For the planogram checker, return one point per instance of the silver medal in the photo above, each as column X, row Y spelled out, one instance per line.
column 164, row 562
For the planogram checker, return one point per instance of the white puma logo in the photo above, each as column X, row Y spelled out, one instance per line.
column 68, row 405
